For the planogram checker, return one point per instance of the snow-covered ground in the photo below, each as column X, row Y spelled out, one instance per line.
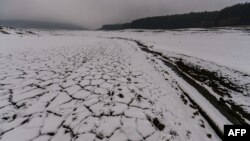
column 224, row 51
column 84, row 85
column 226, row 46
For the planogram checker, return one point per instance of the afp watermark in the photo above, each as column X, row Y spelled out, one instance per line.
column 236, row 132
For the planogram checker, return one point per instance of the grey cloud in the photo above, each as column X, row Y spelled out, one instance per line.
column 94, row 13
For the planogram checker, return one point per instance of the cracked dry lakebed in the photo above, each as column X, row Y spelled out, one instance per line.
column 76, row 86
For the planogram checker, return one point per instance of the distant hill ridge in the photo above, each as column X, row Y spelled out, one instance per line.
column 236, row 15
column 39, row 25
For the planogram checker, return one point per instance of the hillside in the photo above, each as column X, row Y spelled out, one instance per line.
column 236, row 15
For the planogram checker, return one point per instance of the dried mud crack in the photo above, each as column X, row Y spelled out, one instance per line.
column 95, row 90
column 191, row 74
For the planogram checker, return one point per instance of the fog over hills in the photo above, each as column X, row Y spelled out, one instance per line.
column 40, row 24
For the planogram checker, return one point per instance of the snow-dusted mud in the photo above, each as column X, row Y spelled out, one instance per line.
column 215, row 62
column 86, row 87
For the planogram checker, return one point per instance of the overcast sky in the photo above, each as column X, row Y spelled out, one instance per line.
column 94, row 13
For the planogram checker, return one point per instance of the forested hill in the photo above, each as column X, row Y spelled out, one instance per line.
column 236, row 15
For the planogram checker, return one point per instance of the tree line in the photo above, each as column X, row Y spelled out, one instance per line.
column 236, row 15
